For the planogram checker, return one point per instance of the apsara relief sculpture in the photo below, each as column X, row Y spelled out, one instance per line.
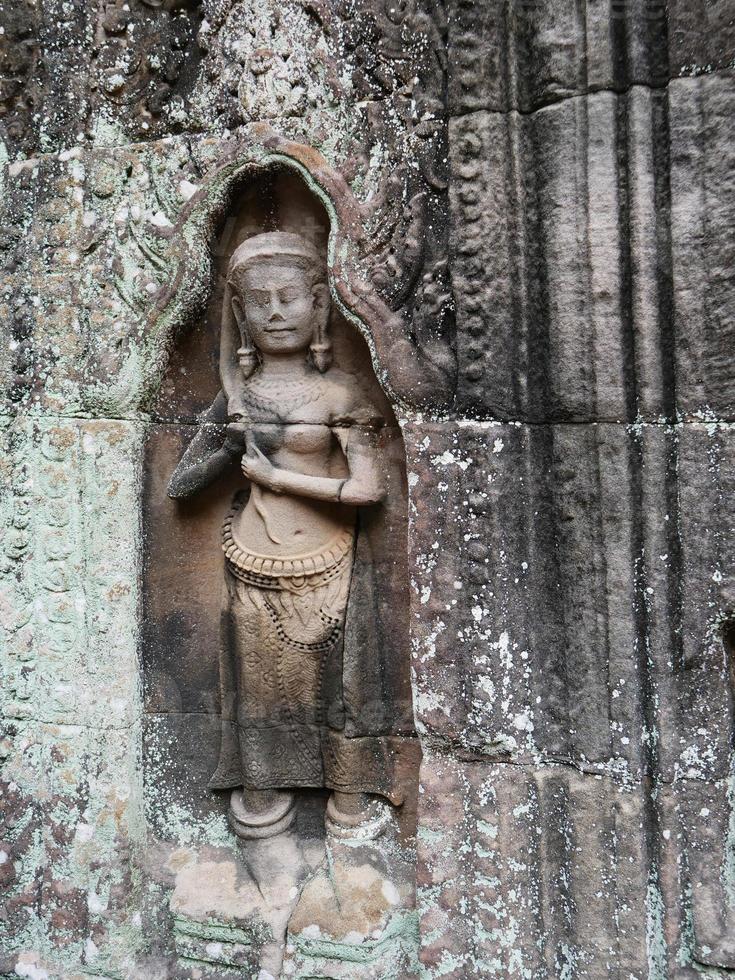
column 307, row 668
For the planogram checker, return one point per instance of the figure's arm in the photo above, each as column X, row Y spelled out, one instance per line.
column 207, row 457
column 210, row 453
column 363, row 486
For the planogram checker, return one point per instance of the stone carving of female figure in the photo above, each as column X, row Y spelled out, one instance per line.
column 301, row 705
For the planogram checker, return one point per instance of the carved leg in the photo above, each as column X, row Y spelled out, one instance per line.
column 357, row 814
column 258, row 813
column 353, row 804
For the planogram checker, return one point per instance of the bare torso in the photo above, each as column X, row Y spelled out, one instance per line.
column 301, row 439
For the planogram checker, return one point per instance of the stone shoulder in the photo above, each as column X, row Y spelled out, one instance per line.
column 352, row 405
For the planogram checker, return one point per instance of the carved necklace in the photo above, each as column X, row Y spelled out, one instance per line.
column 264, row 393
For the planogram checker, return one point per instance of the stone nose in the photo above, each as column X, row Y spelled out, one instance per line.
column 276, row 308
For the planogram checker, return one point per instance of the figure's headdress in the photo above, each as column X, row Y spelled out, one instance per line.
column 238, row 355
column 292, row 248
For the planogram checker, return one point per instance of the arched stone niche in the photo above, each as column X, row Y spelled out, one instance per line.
column 211, row 880
column 414, row 371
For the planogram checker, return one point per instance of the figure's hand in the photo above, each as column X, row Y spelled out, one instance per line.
column 258, row 468
column 235, row 438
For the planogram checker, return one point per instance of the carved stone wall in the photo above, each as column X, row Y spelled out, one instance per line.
column 532, row 208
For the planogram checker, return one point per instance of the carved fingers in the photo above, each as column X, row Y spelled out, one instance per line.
column 256, row 466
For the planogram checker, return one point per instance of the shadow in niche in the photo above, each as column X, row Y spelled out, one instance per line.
column 728, row 640
column 183, row 571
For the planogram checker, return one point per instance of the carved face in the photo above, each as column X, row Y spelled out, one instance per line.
column 278, row 304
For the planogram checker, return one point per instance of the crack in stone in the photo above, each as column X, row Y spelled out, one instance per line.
column 607, row 89
column 453, row 754
column 711, row 970
column 460, row 421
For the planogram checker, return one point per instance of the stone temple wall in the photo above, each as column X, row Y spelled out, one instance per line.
column 531, row 209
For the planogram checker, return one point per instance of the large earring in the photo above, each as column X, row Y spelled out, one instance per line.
column 320, row 348
column 247, row 355
column 247, row 358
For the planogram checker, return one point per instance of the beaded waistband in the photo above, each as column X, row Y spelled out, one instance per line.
column 294, row 566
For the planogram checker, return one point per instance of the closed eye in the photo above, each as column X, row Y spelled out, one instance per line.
column 258, row 297
column 290, row 295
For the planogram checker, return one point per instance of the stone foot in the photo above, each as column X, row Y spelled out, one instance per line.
column 359, row 907
column 231, row 906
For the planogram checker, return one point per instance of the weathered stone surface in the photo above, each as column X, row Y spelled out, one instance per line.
column 73, row 72
column 570, row 825
column 565, row 607
column 183, row 598
column 568, row 872
column 70, row 578
column 545, row 53
column 365, row 86
column 579, row 294
column 701, row 154
column 91, row 226
column 70, row 797
column 569, row 653
column 122, row 236
column 45, row 93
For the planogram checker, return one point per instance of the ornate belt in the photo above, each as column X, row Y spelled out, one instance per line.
column 258, row 567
